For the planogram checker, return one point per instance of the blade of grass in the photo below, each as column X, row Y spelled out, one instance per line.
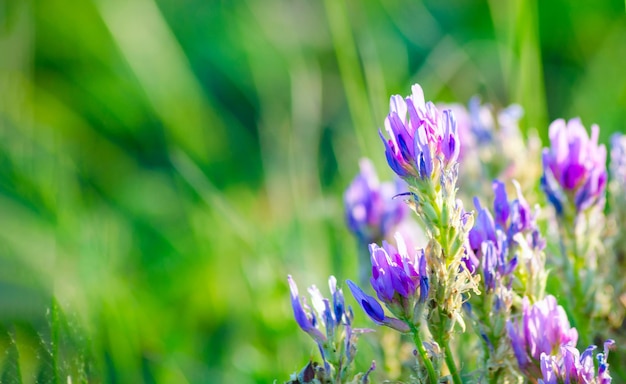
column 190, row 172
column 351, row 74
column 163, row 70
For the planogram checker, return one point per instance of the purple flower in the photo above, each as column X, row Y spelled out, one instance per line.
column 574, row 166
column 374, row 310
column 393, row 272
column 305, row 318
column 603, row 365
column 543, row 329
column 500, row 203
column 484, row 228
column 513, row 216
column 417, row 140
column 495, row 266
column 329, row 314
column 371, row 210
column 399, row 279
column 569, row 366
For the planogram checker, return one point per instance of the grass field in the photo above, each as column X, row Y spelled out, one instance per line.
column 165, row 164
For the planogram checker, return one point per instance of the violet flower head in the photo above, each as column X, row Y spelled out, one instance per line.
column 374, row 310
column 305, row 318
column 569, row 366
column 489, row 242
column 495, row 265
column 419, row 136
column 394, row 271
column 484, row 228
column 603, row 365
column 399, row 278
column 543, row 329
column 328, row 315
column 372, row 210
column 574, row 166
column 515, row 216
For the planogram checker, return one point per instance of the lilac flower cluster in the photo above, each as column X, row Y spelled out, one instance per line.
column 509, row 237
column 574, row 181
column 500, row 252
column 400, row 281
column 543, row 329
column 569, row 366
column 330, row 325
column 422, row 142
column 493, row 147
column 574, row 167
column 371, row 208
column 545, row 347
column 491, row 262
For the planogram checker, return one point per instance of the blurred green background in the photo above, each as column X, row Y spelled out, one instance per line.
column 164, row 164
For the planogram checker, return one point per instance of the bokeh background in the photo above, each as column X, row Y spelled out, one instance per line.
column 164, row 164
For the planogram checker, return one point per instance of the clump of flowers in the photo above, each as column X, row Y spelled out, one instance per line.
column 542, row 329
column 493, row 147
column 372, row 212
column 330, row 326
column 570, row 366
column 574, row 181
column 507, row 249
column 487, row 268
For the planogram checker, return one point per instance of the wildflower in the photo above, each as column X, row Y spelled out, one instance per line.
column 489, row 242
column 374, row 310
column 570, row 366
column 330, row 325
column 423, row 149
column 306, row 319
column 543, row 329
column 574, row 166
column 399, row 279
column 484, row 227
column 419, row 140
column 371, row 209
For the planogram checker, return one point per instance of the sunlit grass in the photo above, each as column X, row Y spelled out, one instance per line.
column 165, row 166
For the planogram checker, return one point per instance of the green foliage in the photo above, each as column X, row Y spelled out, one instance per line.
column 165, row 164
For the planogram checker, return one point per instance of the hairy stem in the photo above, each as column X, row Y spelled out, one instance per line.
column 456, row 377
column 432, row 376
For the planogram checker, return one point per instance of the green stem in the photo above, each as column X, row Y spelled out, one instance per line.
column 456, row 378
column 432, row 376
column 495, row 378
column 573, row 257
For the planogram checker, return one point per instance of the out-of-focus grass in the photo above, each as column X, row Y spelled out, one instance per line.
column 165, row 164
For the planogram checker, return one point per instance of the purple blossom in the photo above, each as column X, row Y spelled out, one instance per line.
column 394, row 271
column 484, row 228
column 399, row 278
column 495, row 266
column 513, row 216
column 574, row 166
column 328, row 315
column 603, row 365
column 419, row 139
column 374, row 310
column 501, row 206
column 305, row 318
column 543, row 329
column 568, row 366
column 371, row 210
